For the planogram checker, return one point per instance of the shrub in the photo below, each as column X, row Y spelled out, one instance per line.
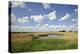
column 63, row 31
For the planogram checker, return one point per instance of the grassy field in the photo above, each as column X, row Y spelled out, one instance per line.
column 28, row 42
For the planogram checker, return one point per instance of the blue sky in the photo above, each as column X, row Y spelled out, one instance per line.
column 28, row 16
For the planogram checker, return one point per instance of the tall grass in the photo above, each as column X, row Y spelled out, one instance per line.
column 43, row 45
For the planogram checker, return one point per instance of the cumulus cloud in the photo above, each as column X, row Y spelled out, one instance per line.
column 37, row 18
column 29, row 9
column 76, row 10
column 66, row 16
column 53, row 28
column 76, row 20
column 47, row 28
column 44, row 28
column 46, row 5
column 15, row 28
column 21, row 28
column 59, row 27
column 66, row 28
column 51, row 15
column 40, row 27
column 13, row 19
column 23, row 19
column 18, row 4
column 73, row 19
column 73, row 27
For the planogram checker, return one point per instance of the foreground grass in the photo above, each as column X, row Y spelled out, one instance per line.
column 43, row 45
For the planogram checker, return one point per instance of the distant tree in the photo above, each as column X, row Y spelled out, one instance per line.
column 63, row 31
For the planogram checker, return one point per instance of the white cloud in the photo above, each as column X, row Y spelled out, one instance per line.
column 46, row 25
column 76, row 10
column 18, row 4
column 21, row 29
column 66, row 16
column 15, row 28
column 46, row 5
column 41, row 28
column 47, row 28
column 76, row 20
column 52, row 26
column 29, row 9
column 73, row 19
column 13, row 19
column 27, row 28
column 73, row 27
column 59, row 27
column 23, row 19
column 51, row 15
column 44, row 28
column 37, row 18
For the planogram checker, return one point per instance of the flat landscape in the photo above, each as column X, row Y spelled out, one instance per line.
column 42, row 26
column 43, row 41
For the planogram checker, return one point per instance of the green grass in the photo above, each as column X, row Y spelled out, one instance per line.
column 43, row 45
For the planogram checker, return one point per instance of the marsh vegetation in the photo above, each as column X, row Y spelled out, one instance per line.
column 37, row 41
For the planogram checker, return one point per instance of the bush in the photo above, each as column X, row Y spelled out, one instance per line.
column 62, row 31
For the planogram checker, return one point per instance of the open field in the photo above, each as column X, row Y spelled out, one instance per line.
column 29, row 41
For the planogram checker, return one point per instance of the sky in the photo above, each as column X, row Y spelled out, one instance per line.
column 43, row 17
